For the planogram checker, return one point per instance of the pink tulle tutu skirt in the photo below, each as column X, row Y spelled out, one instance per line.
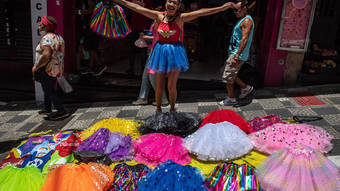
column 298, row 170
column 155, row 148
column 280, row 135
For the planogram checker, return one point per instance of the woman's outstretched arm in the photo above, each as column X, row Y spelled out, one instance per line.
column 186, row 17
column 139, row 9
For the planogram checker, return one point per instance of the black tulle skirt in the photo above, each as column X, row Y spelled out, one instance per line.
column 175, row 123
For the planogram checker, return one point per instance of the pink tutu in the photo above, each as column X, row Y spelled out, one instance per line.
column 155, row 148
column 280, row 135
column 299, row 170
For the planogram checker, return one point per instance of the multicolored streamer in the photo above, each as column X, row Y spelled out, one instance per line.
column 232, row 177
column 109, row 22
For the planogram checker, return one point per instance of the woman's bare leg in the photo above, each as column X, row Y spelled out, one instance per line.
column 160, row 84
column 172, row 88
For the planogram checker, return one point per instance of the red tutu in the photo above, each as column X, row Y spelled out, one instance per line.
column 230, row 116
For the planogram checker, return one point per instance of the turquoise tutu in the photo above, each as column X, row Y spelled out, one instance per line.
column 167, row 57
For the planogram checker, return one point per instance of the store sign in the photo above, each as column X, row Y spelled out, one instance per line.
column 38, row 10
column 296, row 22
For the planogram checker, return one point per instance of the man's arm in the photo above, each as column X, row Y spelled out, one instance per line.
column 45, row 58
column 246, row 27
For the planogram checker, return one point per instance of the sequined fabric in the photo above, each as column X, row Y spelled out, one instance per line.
column 173, row 177
column 155, row 148
column 83, row 177
column 280, row 135
column 298, row 169
column 125, row 127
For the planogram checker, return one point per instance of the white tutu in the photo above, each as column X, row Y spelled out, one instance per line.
column 220, row 141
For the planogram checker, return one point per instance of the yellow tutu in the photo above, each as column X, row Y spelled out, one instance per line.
column 205, row 166
column 253, row 159
column 125, row 127
column 130, row 163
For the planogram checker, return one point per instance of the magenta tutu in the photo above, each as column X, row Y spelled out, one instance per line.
column 155, row 148
column 280, row 135
column 299, row 170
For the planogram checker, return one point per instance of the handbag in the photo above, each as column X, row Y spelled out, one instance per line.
column 64, row 85
column 40, row 74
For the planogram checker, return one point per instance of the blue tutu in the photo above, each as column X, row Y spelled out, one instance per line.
column 172, row 176
column 167, row 57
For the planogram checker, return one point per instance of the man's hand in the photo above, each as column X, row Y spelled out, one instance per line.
column 234, row 62
column 34, row 69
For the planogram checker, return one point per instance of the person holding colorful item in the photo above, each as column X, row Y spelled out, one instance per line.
column 168, row 56
column 50, row 60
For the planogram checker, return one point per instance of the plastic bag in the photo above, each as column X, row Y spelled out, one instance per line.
column 64, row 85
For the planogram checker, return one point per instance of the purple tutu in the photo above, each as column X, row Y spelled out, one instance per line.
column 117, row 146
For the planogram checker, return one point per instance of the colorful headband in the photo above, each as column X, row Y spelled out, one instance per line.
column 48, row 23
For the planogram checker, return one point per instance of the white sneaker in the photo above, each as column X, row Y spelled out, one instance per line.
column 227, row 102
column 246, row 91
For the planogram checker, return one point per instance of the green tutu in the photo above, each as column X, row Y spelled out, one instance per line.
column 13, row 179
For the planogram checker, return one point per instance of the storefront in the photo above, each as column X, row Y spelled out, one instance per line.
column 299, row 43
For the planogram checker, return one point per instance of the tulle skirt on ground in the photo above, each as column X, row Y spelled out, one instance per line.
column 230, row 116
column 167, row 57
column 173, row 177
column 280, row 135
column 125, row 127
column 299, row 170
column 176, row 123
column 83, row 177
column 15, row 179
column 220, row 141
column 155, row 148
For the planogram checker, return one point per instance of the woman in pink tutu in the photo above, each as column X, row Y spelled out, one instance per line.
column 301, row 169
column 155, row 148
column 280, row 135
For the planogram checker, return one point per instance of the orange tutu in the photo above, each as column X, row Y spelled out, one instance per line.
column 83, row 177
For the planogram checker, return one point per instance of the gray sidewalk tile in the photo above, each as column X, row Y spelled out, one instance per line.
column 18, row 119
column 332, row 119
column 11, row 113
column 252, row 107
column 326, row 110
column 302, row 111
column 249, row 115
column 332, row 131
column 207, row 109
column 271, row 103
column 108, row 114
column 127, row 113
column 94, row 109
column 81, row 124
column 4, row 119
column 281, row 113
column 89, row 115
column 27, row 127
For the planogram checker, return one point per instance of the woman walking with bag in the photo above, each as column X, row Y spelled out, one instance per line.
column 48, row 66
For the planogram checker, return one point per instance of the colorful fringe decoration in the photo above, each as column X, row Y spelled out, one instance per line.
column 126, row 177
column 232, row 177
column 109, row 21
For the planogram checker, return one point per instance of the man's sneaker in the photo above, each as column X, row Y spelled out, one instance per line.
column 100, row 71
column 87, row 71
column 246, row 91
column 164, row 103
column 58, row 115
column 140, row 101
column 228, row 102
column 44, row 112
